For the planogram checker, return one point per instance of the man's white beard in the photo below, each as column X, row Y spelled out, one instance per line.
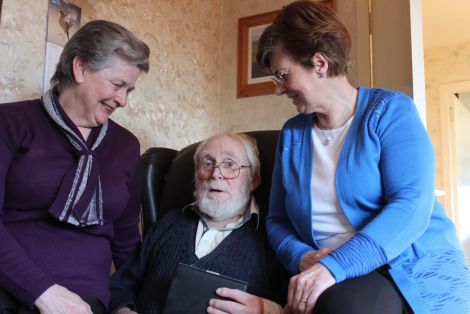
column 225, row 209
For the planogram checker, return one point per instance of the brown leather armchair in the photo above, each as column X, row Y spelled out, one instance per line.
column 167, row 183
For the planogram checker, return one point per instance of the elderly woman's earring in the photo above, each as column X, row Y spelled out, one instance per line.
column 320, row 75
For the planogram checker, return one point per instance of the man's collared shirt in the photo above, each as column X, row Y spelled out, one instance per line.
column 208, row 239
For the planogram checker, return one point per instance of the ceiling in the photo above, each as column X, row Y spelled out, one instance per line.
column 445, row 22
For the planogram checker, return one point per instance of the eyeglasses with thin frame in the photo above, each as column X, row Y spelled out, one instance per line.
column 229, row 169
column 281, row 76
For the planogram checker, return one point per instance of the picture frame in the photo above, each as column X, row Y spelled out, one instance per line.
column 251, row 80
column 1, row 2
column 249, row 30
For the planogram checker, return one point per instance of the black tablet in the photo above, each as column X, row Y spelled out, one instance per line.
column 191, row 288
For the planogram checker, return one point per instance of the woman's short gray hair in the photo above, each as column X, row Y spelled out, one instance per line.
column 95, row 43
column 248, row 143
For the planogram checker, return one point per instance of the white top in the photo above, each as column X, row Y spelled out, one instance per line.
column 331, row 228
column 208, row 239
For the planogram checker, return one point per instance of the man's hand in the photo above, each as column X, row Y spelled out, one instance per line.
column 125, row 310
column 306, row 287
column 243, row 303
column 59, row 300
column 313, row 257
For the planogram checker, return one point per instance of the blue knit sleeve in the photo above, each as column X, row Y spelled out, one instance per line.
column 343, row 261
column 288, row 246
column 407, row 171
column 405, row 166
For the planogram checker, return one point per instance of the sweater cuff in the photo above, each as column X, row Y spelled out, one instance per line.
column 30, row 296
column 291, row 255
column 119, row 301
column 358, row 256
column 335, row 268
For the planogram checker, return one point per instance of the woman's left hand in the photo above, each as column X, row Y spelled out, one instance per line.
column 243, row 303
column 306, row 287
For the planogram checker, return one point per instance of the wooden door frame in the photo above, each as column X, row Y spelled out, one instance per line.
column 449, row 179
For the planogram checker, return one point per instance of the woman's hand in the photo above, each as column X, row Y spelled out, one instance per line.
column 125, row 310
column 59, row 300
column 313, row 257
column 243, row 303
column 306, row 287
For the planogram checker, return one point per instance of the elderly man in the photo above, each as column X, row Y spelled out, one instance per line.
column 216, row 233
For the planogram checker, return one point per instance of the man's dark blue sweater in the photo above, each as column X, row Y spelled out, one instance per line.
column 142, row 282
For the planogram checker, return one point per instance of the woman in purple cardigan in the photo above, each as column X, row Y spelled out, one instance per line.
column 69, row 178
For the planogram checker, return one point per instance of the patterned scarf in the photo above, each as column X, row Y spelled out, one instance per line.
column 80, row 199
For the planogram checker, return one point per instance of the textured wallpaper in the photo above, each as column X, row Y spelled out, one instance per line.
column 250, row 113
column 175, row 104
column 443, row 65
column 22, row 44
column 258, row 112
column 190, row 91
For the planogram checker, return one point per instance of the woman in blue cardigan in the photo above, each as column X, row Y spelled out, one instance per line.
column 352, row 211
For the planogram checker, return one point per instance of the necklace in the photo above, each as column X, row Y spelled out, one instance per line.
column 327, row 135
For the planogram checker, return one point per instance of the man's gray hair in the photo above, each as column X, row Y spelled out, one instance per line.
column 96, row 43
column 248, row 143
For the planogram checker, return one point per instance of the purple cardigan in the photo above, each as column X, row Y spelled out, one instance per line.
column 36, row 250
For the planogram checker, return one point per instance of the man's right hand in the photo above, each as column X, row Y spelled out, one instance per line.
column 240, row 303
column 59, row 300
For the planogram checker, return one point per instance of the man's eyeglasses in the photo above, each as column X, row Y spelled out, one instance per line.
column 229, row 169
column 281, row 76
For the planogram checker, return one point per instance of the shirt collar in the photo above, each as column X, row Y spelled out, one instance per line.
column 252, row 211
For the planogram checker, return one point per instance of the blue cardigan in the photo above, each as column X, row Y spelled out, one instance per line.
column 385, row 185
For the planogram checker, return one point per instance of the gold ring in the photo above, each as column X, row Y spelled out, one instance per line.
column 303, row 300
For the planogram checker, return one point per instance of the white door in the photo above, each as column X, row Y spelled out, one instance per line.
column 461, row 125
column 455, row 131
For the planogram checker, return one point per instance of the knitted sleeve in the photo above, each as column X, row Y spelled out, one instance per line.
column 407, row 174
column 18, row 274
column 283, row 237
column 125, row 282
column 126, row 231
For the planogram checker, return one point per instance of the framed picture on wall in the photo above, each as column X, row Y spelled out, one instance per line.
column 1, row 12
column 251, row 80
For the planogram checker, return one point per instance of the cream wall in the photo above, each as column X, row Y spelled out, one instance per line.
column 249, row 113
column 270, row 111
column 175, row 104
column 443, row 65
column 190, row 91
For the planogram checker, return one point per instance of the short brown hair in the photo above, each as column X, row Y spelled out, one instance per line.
column 95, row 43
column 304, row 28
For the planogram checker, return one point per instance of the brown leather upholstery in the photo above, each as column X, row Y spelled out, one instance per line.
column 167, row 183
